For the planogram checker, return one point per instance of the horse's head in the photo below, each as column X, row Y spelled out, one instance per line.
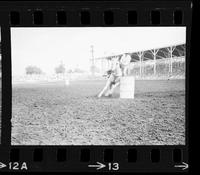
column 115, row 63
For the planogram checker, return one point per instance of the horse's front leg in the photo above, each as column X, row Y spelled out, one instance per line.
column 105, row 88
column 113, row 86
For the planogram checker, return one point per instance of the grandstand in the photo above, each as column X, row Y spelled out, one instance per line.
column 165, row 62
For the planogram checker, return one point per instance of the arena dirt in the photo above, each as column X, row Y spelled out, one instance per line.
column 55, row 114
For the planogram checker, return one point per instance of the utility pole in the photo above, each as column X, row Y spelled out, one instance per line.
column 93, row 61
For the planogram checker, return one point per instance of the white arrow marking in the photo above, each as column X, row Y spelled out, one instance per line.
column 98, row 166
column 2, row 165
column 184, row 166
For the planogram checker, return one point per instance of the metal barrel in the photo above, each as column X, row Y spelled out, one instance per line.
column 127, row 87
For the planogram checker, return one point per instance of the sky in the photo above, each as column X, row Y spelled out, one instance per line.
column 48, row 47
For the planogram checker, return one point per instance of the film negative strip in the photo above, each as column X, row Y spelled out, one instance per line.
column 95, row 86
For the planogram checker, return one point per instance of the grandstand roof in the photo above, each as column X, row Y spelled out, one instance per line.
column 163, row 52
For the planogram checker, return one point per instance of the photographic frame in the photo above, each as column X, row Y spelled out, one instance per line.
column 116, row 157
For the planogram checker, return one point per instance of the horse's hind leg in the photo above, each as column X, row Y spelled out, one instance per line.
column 108, row 91
column 113, row 87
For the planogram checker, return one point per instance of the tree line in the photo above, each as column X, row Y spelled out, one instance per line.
column 60, row 69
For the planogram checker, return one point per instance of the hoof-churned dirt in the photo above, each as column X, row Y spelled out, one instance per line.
column 55, row 114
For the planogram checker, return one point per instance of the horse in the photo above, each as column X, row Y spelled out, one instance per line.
column 113, row 80
column 119, row 67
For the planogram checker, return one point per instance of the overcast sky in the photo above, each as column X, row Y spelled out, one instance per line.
column 47, row 47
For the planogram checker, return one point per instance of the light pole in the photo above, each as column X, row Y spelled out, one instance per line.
column 93, row 61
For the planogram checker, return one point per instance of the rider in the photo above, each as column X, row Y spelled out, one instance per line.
column 124, row 63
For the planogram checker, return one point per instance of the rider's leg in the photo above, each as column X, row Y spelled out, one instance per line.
column 125, row 71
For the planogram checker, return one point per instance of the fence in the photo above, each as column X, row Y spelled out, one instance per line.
column 40, row 78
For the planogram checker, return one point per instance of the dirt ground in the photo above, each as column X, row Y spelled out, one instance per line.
column 55, row 114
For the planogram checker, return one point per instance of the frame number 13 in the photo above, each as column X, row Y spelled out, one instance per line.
column 113, row 166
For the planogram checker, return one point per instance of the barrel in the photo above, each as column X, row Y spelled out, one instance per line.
column 127, row 87
column 66, row 82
